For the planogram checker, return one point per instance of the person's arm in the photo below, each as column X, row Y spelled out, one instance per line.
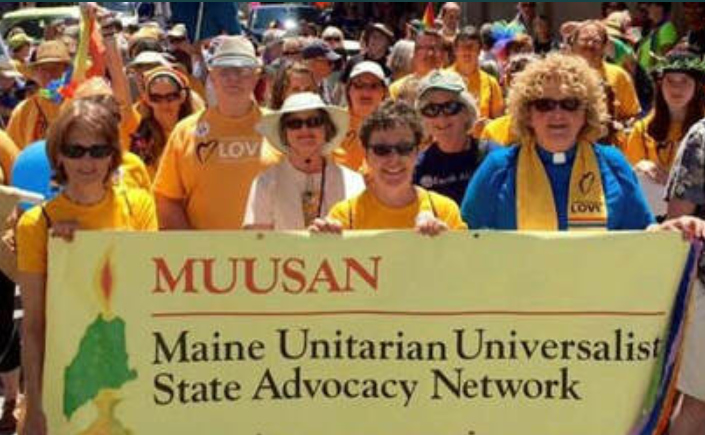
column 116, row 69
column 32, row 286
column 171, row 214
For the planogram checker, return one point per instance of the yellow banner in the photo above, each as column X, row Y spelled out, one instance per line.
column 389, row 333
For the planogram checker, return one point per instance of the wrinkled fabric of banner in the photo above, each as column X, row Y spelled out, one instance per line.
column 381, row 333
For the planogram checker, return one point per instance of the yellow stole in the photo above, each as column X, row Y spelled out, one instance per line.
column 536, row 210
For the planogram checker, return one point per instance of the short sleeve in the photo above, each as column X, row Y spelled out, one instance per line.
column 168, row 181
column 687, row 180
column 32, row 242
column 144, row 211
column 342, row 212
column 8, row 154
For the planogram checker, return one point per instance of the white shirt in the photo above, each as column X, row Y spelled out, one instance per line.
column 276, row 194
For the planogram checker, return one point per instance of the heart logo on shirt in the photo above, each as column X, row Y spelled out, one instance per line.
column 587, row 182
column 205, row 150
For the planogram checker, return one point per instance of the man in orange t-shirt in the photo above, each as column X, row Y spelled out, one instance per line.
column 213, row 156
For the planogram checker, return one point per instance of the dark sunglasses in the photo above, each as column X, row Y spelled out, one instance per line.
column 168, row 98
column 333, row 39
column 451, row 108
column 546, row 105
column 97, row 151
column 298, row 124
column 362, row 86
column 384, row 150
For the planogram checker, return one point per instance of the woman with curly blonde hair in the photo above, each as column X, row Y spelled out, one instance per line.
column 557, row 178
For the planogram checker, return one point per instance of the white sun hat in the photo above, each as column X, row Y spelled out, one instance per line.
column 302, row 102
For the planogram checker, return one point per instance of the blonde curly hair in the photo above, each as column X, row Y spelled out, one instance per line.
column 575, row 78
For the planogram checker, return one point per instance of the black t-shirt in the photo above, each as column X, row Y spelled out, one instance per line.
column 448, row 174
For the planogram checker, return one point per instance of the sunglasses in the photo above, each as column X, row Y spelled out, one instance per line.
column 451, row 108
column 333, row 39
column 545, row 105
column 362, row 86
column 97, row 151
column 384, row 150
column 165, row 98
column 298, row 124
column 291, row 53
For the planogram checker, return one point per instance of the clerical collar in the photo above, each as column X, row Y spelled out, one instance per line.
column 556, row 159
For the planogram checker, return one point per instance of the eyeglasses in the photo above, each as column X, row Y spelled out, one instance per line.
column 333, row 39
column 545, row 105
column 97, row 151
column 291, row 53
column 384, row 150
column 298, row 124
column 362, row 86
column 450, row 108
column 165, row 98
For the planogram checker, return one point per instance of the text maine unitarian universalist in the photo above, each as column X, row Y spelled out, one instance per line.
column 303, row 346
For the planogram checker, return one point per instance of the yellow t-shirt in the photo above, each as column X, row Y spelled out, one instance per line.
column 626, row 101
column 641, row 146
column 30, row 120
column 210, row 162
column 8, row 154
column 487, row 93
column 365, row 212
column 133, row 173
column 121, row 209
column 499, row 132
column 351, row 153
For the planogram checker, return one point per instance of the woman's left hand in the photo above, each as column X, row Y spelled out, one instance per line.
column 64, row 230
column 691, row 227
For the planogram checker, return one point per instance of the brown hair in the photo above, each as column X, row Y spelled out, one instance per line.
column 92, row 116
column 392, row 114
column 282, row 81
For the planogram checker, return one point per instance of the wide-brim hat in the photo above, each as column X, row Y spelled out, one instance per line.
column 302, row 102
column 51, row 52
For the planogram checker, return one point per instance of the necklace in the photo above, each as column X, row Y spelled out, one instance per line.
column 312, row 200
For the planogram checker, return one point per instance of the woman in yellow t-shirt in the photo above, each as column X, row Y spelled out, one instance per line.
column 84, row 151
column 391, row 137
column 653, row 143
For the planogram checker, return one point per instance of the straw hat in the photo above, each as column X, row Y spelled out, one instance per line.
column 51, row 52
column 305, row 101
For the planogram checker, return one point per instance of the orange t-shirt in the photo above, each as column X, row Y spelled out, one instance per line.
column 209, row 163
column 30, row 120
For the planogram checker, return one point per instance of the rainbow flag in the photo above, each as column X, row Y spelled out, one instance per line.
column 429, row 17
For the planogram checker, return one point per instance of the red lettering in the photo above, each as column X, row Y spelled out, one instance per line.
column 372, row 279
column 325, row 275
column 250, row 274
column 293, row 269
column 209, row 278
column 185, row 275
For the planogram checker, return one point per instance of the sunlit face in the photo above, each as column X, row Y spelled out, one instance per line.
column 321, row 68
column 451, row 17
column 467, row 53
column 678, row 90
column 234, row 82
column 428, row 54
column 391, row 173
column 299, row 82
column 302, row 137
column 556, row 130
column 366, row 94
column 164, row 96
column 46, row 73
column 377, row 45
column 590, row 44
column 445, row 128
column 86, row 170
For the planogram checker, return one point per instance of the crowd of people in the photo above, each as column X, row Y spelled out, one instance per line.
column 433, row 127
